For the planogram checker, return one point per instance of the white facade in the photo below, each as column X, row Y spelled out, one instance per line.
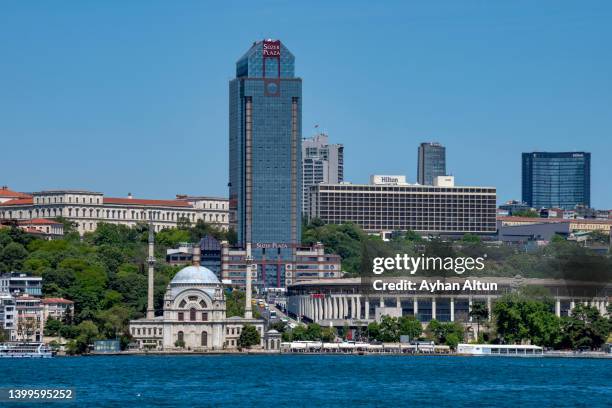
column 194, row 317
column 86, row 209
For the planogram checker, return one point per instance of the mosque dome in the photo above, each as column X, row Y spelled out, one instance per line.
column 195, row 275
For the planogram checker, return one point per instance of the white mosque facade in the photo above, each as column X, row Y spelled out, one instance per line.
column 194, row 317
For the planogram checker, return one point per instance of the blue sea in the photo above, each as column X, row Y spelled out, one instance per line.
column 315, row 381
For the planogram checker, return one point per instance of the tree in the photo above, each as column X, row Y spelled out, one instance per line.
column 585, row 328
column 88, row 332
column 449, row 333
column 480, row 313
column 52, row 327
column 526, row 213
column 12, row 256
column 115, row 320
column 328, row 334
column 410, row 326
column 389, row 329
column 249, row 336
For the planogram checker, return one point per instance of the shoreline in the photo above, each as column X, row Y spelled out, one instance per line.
column 583, row 355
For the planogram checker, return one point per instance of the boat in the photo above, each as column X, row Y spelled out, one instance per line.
column 506, row 350
column 25, row 350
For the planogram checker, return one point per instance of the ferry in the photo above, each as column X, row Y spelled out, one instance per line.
column 25, row 350
column 506, row 350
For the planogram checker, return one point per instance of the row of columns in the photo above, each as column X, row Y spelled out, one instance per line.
column 349, row 307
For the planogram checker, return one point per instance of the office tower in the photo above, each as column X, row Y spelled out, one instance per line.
column 265, row 126
column 557, row 180
column 431, row 163
column 321, row 163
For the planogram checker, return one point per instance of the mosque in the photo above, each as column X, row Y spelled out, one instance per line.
column 194, row 315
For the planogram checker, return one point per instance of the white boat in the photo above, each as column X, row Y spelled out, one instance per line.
column 25, row 350
column 507, row 350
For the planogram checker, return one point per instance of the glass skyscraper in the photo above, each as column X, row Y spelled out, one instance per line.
column 431, row 163
column 265, row 133
column 557, row 180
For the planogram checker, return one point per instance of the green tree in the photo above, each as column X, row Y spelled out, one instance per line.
column 389, row 329
column 52, row 327
column 88, row 332
column 585, row 328
column 13, row 255
column 249, row 336
column 479, row 313
column 410, row 326
column 449, row 333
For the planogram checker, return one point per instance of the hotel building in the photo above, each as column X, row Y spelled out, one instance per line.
column 87, row 208
column 388, row 203
column 265, row 155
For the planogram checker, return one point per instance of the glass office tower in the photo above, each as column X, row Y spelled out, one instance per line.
column 557, row 180
column 265, row 132
column 431, row 163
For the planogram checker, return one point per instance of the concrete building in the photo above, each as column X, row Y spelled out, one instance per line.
column 574, row 224
column 307, row 264
column 58, row 309
column 30, row 321
column 7, row 194
column 389, row 204
column 431, row 162
column 322, row 162
column 8, row 316
column 343, row 301
column 17, row 284
column 87, row 208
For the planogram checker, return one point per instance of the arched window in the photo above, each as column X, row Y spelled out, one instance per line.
column 192, row 314
column 180, row 336
column 204, row 339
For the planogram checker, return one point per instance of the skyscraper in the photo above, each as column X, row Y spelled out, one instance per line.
column 431, row 163
column 321, row 163
column 265, row 122
column 559, row 180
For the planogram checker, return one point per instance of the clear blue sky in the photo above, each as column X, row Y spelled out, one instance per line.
column 132, row 96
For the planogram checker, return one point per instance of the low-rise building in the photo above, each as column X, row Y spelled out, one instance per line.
column 86, row 209
column 8, row 195
column 8, row 316
column 307, row 263
column 30, row 320
column 57, row 308
column 17, row 284
column 574, row 224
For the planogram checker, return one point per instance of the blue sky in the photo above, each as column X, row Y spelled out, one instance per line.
column 132, row 96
